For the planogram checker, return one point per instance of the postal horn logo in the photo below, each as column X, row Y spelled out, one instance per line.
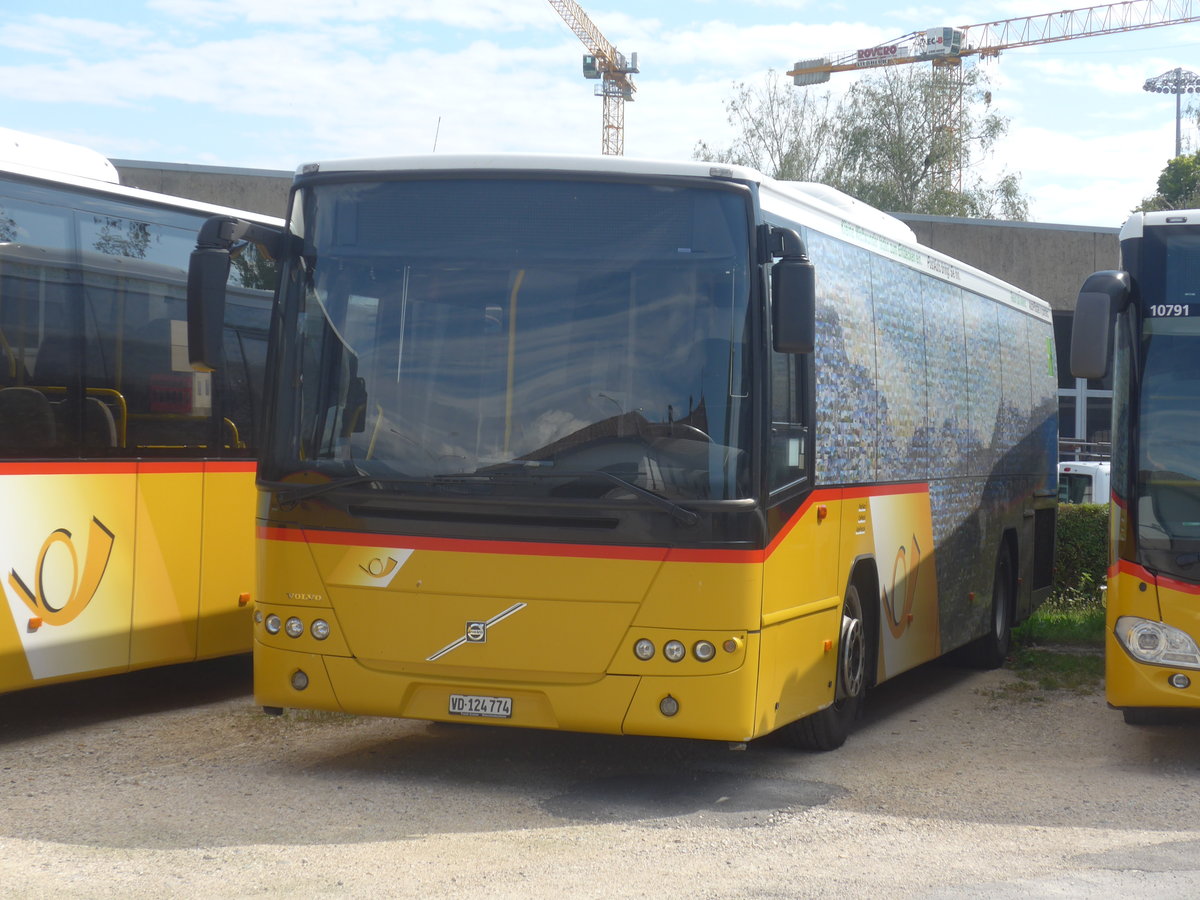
column 57, row 610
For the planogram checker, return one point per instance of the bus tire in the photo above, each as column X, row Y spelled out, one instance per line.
column 828, row 728
column 991, row 650
column 1143, row 715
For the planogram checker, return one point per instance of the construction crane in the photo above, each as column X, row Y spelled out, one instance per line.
column 611, row 68
column 945, row 48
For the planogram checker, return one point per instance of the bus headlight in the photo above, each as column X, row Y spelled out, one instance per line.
column 643, row 649
column 293, row 627
column 674, row 651
column 1157, row 644
column 273, row 624
column 320, row 629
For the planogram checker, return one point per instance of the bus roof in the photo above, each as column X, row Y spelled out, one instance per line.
column 1139, row 221
column 59, row 157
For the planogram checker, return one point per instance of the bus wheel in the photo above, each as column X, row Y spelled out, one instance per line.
column 828, row 728
column 990, row 651
column 1140, row 715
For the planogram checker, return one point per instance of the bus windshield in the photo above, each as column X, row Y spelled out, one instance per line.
column 544, row 337
column 1168, row 474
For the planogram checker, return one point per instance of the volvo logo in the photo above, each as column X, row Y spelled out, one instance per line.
column 476, row 632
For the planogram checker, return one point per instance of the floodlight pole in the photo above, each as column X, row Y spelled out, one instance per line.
column 1178, row 82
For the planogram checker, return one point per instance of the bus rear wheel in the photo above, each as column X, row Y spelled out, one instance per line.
column 827, row 729
column 991, row 650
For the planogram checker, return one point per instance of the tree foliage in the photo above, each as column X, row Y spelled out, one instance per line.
column 1178, row 186
column 878, row 143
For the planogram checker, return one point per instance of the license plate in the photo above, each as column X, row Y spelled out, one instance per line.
column 474, row 705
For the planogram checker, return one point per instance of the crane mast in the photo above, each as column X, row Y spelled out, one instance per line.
column 605, row 63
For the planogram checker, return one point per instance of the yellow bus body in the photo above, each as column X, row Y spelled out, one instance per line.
column 112, row 566
column 1129, row 683
column 398, row 610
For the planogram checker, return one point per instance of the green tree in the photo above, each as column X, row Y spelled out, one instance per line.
column 1178, row 186
column 877, row 143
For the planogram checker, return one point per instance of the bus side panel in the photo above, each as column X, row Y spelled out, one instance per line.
column 909, row 618
column 167, row 570
column 227, row 557
column 67, row 568
column 802, row 598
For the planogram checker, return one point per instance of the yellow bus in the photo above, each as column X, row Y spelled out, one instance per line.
column 632, row 447
column 1140, row 326
column 127, row 477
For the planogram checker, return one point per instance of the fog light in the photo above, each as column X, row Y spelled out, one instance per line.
column 674, row 651
column 668, row 706
column 704, row 651
column 1179, row 680
column 643, row 649
column 320, row 629
column 273, row 624
column 293, row 627
column 299, row 680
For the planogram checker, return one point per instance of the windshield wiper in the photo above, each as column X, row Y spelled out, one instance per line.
column 289, row 492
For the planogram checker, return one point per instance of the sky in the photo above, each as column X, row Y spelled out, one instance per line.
column 271, row 84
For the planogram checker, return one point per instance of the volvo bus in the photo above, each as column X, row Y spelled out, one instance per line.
column 127, row 478
column 1142, row 323
column 631, row 447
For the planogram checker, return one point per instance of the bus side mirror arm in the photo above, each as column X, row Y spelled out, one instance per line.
column 1103, row 296
column 793, row 293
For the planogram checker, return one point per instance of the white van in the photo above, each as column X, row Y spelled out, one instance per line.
column 1083, row 482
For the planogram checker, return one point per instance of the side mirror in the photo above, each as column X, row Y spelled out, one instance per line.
column 794, row 306
column 1102, row 297
column 793, row 295
column 208, row 272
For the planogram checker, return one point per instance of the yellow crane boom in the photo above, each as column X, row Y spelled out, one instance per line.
column 603, row 62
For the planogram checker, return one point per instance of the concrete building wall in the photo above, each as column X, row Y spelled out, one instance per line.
column 1049, row 261
column 256, row 190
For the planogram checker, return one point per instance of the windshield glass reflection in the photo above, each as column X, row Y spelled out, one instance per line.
column 546, row 329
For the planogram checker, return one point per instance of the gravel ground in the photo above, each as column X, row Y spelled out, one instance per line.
column 171, row 783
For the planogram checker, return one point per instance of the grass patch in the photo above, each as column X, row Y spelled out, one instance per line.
column 1073, row 617
column 1058, row 670
column 1058, row 648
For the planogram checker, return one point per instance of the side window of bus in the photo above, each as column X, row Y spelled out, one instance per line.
column 36, row 299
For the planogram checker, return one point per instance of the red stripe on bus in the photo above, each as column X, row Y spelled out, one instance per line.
column 1143, row 574
column 581, row 551
column 126, row 467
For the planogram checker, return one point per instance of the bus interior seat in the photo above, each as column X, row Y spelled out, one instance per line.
column 99, row 426
column 26, row 420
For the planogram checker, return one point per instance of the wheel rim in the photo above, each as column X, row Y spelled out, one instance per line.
column 852, row 671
